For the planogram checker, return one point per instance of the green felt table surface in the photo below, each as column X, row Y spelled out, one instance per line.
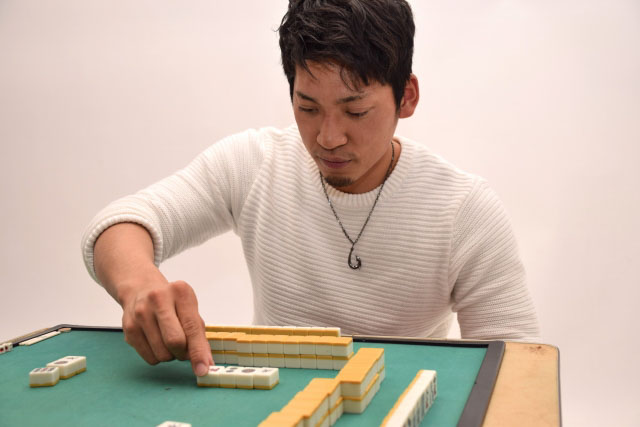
column 119, row 388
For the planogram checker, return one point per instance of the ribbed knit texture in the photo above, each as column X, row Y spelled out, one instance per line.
column 438, row 241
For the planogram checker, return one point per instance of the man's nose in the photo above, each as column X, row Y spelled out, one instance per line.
column 332, row 133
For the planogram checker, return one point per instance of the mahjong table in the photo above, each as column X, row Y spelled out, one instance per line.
column 480, row 383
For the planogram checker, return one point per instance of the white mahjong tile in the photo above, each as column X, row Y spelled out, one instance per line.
column 228, row 377
column 65, row 366
column 323, row 346
column 324, row 362
column 229, row 344
column 244, row 377
column 266, row 378
column 44, row 377
column 275, row 347
column 276, row 360
column 355, row 389
column 70, row 365
column 212, row 378
column 372, row 392
column 344, row 349
column 216, row 344
column 307, row 345
column 260, row 346
column 353, row 406
column 352, row 389
column 245, row 359
column 308, row 362
column 219, row 357
column 231, row 357
column 291, row 346
column 244, row 347
column 292, row 361
column 79, row 363
column 261, row 360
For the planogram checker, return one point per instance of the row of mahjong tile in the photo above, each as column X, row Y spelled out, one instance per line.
column 359, row 373
column 276, row 330
column 304, row 361
column 6, row 347
column 310, row 408
column 63, row 368
column 240, row 377
column 280, row 344
column 414, row 402
column 318, row 404
column 324, row 400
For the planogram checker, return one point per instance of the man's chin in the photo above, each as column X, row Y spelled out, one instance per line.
column 338, row 181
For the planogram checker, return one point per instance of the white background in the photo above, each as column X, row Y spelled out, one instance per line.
column 101, row 98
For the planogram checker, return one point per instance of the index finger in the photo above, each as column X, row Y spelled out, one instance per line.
column 197, row 345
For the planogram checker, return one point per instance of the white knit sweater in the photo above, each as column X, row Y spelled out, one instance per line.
column 438, row 241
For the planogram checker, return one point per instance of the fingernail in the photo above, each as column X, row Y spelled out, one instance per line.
column 201, row 369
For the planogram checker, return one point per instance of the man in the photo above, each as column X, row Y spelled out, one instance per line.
column 342, row 223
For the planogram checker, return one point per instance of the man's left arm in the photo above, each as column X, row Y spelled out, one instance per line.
column 489, row 289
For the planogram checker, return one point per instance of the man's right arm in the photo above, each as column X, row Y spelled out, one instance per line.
column 128, row 239
column 160, row 318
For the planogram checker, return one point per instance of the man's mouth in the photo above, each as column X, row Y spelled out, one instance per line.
column 334, row 162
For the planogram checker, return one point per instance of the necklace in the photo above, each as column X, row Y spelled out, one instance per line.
column 358, row 263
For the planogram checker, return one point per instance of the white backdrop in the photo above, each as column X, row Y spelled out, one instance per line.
column 101, row 98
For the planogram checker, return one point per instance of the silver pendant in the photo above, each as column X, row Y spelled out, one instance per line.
column 358, row 263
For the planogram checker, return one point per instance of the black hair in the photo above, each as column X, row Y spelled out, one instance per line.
column 367, row 39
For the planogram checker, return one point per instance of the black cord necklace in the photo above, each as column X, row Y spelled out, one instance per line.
column 358, row 263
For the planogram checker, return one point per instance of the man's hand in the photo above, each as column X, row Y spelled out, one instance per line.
column 160, row 319
column 162, row 323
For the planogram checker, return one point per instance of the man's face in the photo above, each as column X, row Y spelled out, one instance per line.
column 347, row 132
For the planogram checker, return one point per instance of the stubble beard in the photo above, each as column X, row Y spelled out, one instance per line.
column 338, row 181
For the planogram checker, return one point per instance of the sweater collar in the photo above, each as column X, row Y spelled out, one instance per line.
column 365, row 200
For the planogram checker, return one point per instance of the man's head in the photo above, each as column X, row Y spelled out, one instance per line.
column 348, row 63
column 369, row 40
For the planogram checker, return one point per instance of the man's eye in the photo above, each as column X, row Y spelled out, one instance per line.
column 307, row 110
column 357, row 114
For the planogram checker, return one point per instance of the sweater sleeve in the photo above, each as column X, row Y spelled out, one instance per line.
column 199, row 202
column 490, row 292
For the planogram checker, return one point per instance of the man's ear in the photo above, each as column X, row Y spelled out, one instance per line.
column 410, row 99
